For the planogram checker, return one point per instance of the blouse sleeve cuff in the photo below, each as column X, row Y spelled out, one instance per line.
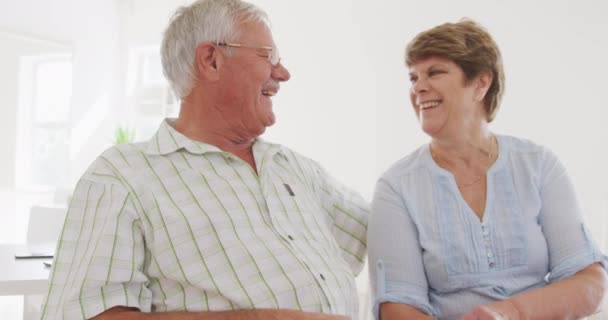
column 412, row 301
column 577, row 263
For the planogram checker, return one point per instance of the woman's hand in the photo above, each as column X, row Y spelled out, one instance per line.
column 501, row 310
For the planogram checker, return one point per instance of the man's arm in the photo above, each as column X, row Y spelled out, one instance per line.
column 349, row 212
column 124, row 313
column 101, row 252
column 391, row 310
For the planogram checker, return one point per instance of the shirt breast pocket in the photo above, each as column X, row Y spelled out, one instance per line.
column 304, row 211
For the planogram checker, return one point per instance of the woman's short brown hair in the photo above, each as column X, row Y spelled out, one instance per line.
column 471, row 47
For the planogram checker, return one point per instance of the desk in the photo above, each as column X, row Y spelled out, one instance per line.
column 21, row 276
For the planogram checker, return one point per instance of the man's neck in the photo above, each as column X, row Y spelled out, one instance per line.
column 232, row 142
column 227, row 140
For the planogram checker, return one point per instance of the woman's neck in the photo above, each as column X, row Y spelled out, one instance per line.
column 466, row 149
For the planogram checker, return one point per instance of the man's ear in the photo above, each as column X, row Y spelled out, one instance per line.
column 207, row 60
column 482, row 85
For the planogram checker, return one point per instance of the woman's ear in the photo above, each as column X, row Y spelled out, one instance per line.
column 482, row 85
column 207, row 60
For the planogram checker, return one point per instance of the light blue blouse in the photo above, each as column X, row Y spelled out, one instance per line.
column 429, row 250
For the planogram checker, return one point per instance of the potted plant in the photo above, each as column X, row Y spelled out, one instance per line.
column 124, row 134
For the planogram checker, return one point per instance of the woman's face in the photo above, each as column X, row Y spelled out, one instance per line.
column 444, row 102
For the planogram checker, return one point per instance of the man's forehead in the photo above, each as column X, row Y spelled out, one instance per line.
column 255, row 30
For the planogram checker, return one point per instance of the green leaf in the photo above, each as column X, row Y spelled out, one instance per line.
column 124, row 134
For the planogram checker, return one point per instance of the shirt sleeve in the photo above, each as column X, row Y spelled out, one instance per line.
column 100, row 253
column 349, row 212
column 396, row 268
column 571, row 246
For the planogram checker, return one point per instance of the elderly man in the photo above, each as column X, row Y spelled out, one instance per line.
column 206, row 220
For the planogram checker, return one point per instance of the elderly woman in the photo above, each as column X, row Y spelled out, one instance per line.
column 476, row 225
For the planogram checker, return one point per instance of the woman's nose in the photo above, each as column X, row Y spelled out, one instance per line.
column 420, row 86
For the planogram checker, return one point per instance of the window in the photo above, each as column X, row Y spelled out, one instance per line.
column 43, row 121
column 148, row 91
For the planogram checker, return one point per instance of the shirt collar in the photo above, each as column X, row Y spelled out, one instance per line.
column 167, row 140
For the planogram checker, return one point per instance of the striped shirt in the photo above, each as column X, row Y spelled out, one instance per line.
column 174, row 224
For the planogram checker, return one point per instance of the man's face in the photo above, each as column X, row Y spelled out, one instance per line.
column 249, row 81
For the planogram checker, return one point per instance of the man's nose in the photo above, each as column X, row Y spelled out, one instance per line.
column 280, row 73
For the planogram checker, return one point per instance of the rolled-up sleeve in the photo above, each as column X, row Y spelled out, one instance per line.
column 571, row 246
column 396, row 268
column 100, row 254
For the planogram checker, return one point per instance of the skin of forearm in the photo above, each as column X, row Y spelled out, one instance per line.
column 123, row 313
column 572, row 298
column 395, row 311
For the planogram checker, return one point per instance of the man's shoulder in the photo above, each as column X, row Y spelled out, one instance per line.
column 290, row 154
column 122, row 152
column 117, row 158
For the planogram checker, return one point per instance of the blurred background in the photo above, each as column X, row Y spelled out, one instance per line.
column 77, row 76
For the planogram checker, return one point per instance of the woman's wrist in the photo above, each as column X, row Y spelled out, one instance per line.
column 518, row 312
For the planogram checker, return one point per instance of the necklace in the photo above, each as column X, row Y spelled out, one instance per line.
column 478, row 177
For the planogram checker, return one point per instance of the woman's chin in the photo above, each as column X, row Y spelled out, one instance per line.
column 429, row 129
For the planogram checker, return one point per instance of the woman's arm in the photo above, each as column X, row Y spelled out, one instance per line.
column 396, row 268
column 575, row 297
column 577, row 280
column 572, row 298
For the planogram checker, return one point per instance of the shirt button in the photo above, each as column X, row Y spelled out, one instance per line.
column 290, row 237
column 322, row 277
column 491, row 264
column 490, row 255
column 485, row 232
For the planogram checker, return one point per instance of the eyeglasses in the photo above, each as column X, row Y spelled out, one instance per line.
column 270, row 53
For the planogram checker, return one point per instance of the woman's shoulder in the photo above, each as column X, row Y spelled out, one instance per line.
column 520, row 145
column 526, row 151
column 407, row 164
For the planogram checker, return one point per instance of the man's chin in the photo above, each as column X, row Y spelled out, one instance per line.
column 264, row 123
column 270, row 120
column 261, row 129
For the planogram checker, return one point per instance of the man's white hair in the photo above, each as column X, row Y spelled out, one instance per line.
column 213, row 21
